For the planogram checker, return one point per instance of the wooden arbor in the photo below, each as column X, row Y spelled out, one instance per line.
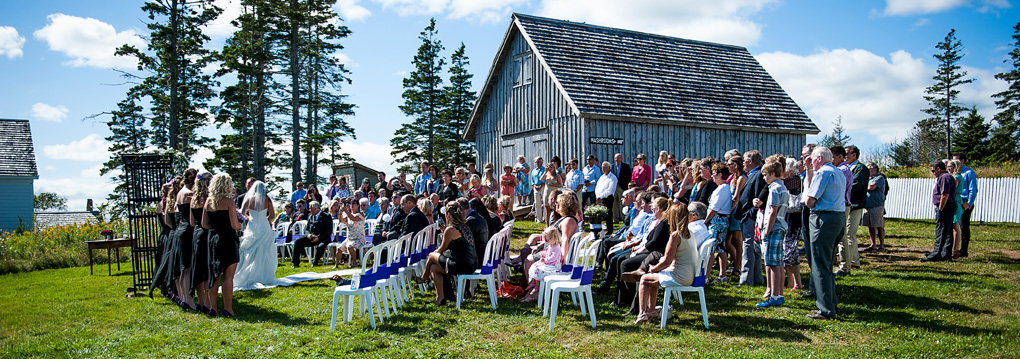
column 145, row 174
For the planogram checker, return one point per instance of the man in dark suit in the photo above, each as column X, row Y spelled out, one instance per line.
column 621, row 170
column 396, row 222
column 320, row 230
column 413, row 223
column 751, row 263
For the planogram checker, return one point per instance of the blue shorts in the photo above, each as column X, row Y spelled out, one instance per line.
column 772, row 246
column 734, row 224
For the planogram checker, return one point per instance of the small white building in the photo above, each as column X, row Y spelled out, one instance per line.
column 17, row 175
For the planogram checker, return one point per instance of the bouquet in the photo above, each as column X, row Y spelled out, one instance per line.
column 108, row 234
column 596, row 211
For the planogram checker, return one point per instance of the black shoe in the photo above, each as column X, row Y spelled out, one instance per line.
column 227, row 314
column 932, row 259
column 841, row 273
column 212, row 313
column 807, row 293
column 469, row 295
column 964, row 254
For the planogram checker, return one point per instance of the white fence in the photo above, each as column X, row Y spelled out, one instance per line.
column 998, row 199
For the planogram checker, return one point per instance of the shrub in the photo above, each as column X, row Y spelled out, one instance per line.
column 54, row 247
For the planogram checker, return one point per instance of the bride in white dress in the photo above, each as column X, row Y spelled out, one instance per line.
column 257, row 267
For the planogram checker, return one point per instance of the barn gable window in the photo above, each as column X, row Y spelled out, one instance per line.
column 523, row 70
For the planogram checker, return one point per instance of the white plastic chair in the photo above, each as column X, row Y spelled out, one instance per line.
column 365, row 289
column 566, row 272
column 492, row 249
column 284, row 249
column 697, row 286
column 582, row 286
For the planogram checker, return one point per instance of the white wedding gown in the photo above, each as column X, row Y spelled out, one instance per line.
column 257, row 267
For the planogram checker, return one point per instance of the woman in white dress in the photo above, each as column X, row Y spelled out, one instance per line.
column 352, row 213
column 257, row 267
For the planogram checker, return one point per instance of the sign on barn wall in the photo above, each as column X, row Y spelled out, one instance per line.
column 606, row 141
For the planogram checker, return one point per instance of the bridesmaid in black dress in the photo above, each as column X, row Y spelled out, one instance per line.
column 184, row 239
column 220, row 218
column 200, row 243
column 161, row 275
column 461, row 258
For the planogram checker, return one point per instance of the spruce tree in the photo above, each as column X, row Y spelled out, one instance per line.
column 838, row 135
column 459, row 102
column 941, row 96
column 1007, row 134
column 175, row 89
column 416, row 141
column 972, row 137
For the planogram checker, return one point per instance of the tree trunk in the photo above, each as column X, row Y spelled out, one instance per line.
column 175, row 124
column 295, row 92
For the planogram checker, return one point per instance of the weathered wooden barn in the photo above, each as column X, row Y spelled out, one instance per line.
column 573, row 89
column 17, row 174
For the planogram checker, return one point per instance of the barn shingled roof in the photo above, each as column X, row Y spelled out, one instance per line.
column 616, row 73
column 17, row 156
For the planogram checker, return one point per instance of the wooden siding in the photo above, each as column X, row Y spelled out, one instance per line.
column 16, row 202
column 515, row 120
column 683, row 141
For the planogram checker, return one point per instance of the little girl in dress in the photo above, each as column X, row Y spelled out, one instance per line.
column 548, row 262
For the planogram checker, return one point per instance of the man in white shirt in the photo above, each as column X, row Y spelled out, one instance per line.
column 605, row 188
column 696, row 223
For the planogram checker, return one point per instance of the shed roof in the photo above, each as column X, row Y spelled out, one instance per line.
column 55, row 219
column 614, row 73
column 16, row 152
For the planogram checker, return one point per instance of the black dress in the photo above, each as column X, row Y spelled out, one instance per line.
column 161, row 275
column 183, row 238
column 460, row 257
column 200, row 243
column 223, row 244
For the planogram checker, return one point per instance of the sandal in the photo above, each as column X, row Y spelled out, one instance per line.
column 719, row 279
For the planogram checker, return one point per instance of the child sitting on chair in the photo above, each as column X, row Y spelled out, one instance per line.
column 546, row 262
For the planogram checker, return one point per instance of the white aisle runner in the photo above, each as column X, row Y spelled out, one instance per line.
column 299, row 277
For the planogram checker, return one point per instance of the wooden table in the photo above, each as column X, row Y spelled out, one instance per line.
column 108, row 244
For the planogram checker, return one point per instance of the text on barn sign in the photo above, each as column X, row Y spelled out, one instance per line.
column 606, row 141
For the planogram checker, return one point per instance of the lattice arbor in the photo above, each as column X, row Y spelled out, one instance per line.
column 145, row 174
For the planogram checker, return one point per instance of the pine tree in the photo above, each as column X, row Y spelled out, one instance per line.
column 423, row 101
column 838, row 135
column 459, row 101
column 972, row 137
column 1007, row 134
column 325, row 124
column 175, row 88
column 941, row 96
column 129, row 134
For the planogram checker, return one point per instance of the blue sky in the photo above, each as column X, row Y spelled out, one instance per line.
column 867, row 61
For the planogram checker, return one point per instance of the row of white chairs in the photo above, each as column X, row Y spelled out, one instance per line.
column 387, row 270
column 340, row 233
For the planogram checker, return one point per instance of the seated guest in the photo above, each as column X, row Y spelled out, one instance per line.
column 436, row 206
column 300, row 214
column 547, row 262
column 568, row 208
column 414, row 222
column 619, row 236
column 460, row 259
column 284, row 217
column 699, row 231
column 426, row 208
column 640, row 227
column 475, row 189
column 478, row 223
column 655, row 241
column 676, row 266
column 320, row 231
column 492, row 208
column 505, row 209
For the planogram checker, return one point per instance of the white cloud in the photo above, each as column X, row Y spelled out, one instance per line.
column 10, row 42
column 724, row 21
column 487, row 11
column 875, row 95
column 414, row 7
column 49, row 113
column 78, row 187
column 911, row 7
column 200, row 157
column 90, row 148
column 349, row 10
column 89, row 42
column 345, row 60
column 221, row 26
column 400, row 73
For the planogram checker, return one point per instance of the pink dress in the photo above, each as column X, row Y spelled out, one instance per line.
column 550, row 263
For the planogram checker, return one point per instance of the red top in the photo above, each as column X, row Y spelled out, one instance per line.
column 507, row 190
column 642, row 175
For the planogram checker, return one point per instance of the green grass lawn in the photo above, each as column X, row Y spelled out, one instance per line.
column 894, row 306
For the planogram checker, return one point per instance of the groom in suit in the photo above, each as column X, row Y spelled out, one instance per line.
column 320, row 230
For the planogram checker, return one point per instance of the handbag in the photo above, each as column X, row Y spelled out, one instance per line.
column 507, row 290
